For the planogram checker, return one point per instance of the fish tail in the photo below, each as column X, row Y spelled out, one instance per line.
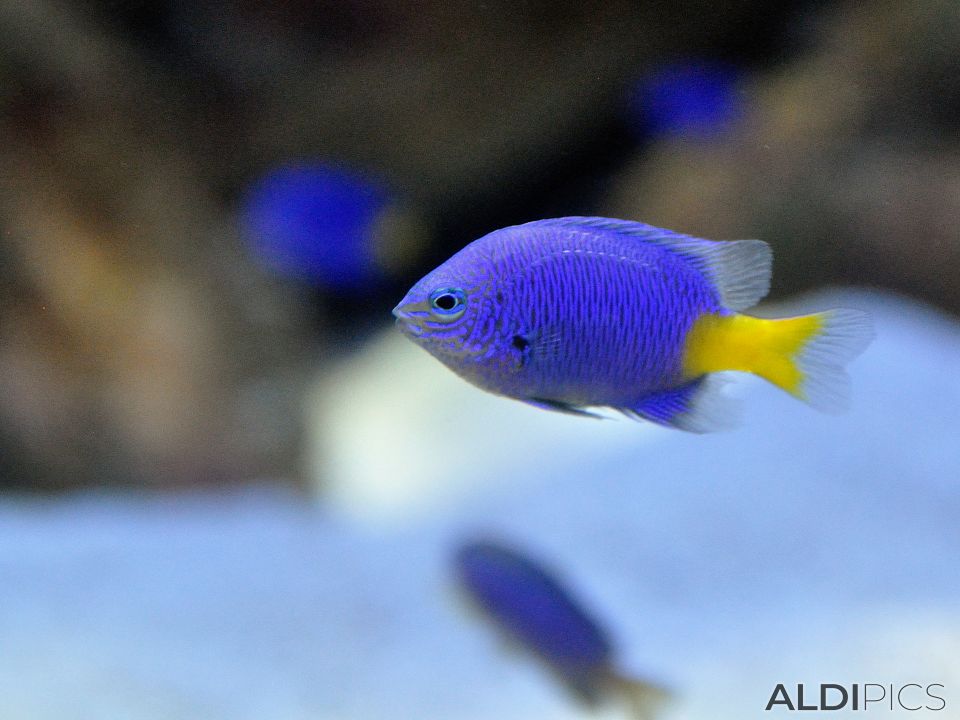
column 644, row 699
column 803, row 355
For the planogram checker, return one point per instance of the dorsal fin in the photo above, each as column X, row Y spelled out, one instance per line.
column 740, row 269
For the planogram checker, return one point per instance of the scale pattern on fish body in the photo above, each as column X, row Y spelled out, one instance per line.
column 574, row 313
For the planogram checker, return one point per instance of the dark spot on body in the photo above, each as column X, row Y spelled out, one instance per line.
column 522, row 345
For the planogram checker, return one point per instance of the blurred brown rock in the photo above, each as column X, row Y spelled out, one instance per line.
column 138, row 345
column 847, row 162
column 456, row 103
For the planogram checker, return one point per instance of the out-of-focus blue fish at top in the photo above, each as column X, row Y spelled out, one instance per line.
column 532, row 607
column 579, row 312
column 690, row 99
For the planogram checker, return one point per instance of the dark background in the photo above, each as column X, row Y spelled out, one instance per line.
column 202, row 205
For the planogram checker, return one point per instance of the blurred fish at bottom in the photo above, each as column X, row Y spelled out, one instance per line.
column 531, row 607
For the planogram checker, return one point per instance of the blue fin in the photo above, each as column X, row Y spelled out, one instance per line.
column 739, row 269
column 561, row 407
column 698, row 407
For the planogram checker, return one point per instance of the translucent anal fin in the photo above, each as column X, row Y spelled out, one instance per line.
column 699, row 407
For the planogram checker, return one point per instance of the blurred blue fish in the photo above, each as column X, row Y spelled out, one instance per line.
column 532, row 607
column 317, row 223
column 690, row 99
column 578, row 312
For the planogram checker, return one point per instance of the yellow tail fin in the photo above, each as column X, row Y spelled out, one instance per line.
column 803, row 355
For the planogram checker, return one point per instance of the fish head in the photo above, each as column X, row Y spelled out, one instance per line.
column 442, row 311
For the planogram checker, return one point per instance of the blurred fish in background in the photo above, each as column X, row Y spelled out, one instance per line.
column 691, row 100
column 532, row 607
column 328, row 226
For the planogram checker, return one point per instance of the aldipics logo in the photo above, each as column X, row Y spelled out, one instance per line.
column 859, row 696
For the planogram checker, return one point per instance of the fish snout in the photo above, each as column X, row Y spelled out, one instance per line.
column 408, row 319
column 408, row 328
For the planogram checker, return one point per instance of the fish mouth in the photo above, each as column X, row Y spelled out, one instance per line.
column 408, row 328
column 407, row 324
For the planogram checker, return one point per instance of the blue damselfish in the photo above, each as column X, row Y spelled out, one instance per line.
column 581, row 312
column 531, row 606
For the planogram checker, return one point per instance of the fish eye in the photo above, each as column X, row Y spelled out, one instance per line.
column 445, row 302
column 448, row 301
